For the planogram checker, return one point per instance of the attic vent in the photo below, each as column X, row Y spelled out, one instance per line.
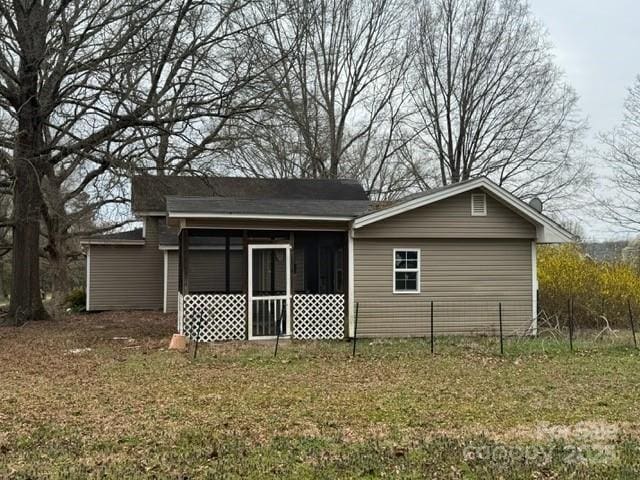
column 478, row 205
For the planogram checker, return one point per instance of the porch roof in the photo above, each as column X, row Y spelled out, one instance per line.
column 220, row 207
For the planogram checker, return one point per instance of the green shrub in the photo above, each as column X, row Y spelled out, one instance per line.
column 76, row 300
column 598, row 288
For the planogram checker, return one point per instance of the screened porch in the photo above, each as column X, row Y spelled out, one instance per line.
column 260, row 284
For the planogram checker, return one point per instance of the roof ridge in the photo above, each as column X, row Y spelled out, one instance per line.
column 234, row 177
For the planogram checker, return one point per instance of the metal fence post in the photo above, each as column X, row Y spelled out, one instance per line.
column 197, row 340
column 355, row 330
column 570, row 316
column 432, row 339
column 278, row 325
column 500, row 318
column 633, row 327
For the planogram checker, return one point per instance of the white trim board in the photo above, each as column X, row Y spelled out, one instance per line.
column 166, row 279
column 251, row 216
column 250, row 297
column 112, row 242
column 200, row 247
column 547, row 231
column 534, row 287
column 417, row 271
column 150, row 214
column 88, row 288
column 249, row 227
column 350, row 284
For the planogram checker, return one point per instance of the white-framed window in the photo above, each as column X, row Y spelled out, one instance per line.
column 478, row 205
column 406, row 270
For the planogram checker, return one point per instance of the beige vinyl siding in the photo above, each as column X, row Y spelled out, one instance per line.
column 127, row 276
column 451, row 218
column 172, row 281
column 465, row 278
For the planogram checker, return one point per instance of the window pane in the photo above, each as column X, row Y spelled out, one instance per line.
column 406, row 281
column 412, row 255
column 412, row 264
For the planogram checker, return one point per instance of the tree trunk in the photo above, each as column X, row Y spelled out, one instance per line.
column 60, row 281
column 53, row 216
column 26, row 302
column 3, row 284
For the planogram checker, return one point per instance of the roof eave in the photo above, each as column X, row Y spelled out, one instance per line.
column 149, row 213
column 252, row 216
column 111, row 242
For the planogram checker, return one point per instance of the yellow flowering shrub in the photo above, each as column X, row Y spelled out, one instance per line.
column 598, row 288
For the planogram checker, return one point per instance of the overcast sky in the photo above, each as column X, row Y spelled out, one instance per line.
column 597, row 43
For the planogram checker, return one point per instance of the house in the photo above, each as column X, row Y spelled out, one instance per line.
column 246, row 258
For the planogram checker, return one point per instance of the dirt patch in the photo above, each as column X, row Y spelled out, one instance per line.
column 96, row 327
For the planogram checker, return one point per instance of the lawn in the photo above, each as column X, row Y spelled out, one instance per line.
column 100, row 396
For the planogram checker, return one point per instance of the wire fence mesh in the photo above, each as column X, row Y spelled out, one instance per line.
column 449, row 318
column 510, row 323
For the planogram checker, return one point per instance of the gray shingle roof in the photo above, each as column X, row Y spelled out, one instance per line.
column 135, row 234
column 267, row 206
column 149, row 192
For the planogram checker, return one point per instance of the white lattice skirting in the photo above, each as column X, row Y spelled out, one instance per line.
column 214, row 317
column 318, row 317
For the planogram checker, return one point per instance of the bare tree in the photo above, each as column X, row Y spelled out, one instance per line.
column 490, row 101
column 76, row 78
column 230, row 86
column 336, row 108
column 620, row 152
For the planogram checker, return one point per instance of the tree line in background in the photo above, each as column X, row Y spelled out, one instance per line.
column 403, row 95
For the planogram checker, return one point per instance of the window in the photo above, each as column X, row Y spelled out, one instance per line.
column 406, row 271
column 478, row 205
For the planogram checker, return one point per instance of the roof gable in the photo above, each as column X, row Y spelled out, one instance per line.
column 149, row 192
column 547, row 231
column 453, row 217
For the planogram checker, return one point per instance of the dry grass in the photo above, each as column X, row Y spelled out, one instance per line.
column 100, row 396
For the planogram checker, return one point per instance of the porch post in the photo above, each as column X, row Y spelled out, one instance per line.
column 227, row 263
column 350, row 283
column 292, row 259
column 184, row 257
column 183, row 275
column 288, row 288
column 245, row 280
